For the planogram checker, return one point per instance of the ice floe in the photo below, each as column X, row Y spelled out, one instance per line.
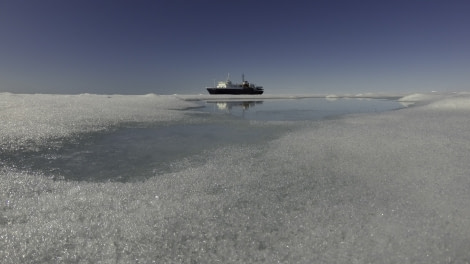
column 386, row 187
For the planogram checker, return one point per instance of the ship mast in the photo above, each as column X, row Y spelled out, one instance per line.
column 243, row 77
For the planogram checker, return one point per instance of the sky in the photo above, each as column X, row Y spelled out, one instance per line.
column 180, row 47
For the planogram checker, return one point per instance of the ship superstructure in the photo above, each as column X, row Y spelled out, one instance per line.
column 227, row 87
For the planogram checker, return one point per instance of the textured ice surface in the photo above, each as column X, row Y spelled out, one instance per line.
column 377, row 188
column 31, row 119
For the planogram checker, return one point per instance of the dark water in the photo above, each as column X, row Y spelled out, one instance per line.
column 136, row 153
column 299, row 109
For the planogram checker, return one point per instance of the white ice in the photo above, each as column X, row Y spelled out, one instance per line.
column 388, row 187
column 35, row 118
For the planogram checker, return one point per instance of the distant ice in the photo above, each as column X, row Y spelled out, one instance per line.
column 388, row 187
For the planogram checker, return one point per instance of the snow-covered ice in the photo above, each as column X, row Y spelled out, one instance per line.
column 34, row 118
column 389, row 187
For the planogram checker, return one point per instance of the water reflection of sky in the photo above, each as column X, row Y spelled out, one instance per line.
column 298, row 109
column 136, row 153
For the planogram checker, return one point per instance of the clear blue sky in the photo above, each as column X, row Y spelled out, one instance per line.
column 176, row 46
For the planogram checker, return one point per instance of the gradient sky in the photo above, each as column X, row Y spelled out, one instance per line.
column 176, row 46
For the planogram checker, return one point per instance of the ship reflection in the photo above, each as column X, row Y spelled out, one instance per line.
column 229, row 105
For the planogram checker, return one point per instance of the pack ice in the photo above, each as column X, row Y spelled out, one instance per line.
column 388, row 187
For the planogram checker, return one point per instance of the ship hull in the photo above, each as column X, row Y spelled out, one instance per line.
column 233, row 91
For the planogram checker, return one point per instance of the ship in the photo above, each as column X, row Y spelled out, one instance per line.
column 228, row 87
